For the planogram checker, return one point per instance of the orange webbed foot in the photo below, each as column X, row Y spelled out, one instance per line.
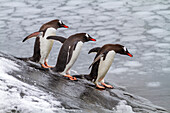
column 47, row 65
column 106, row 85
column 44, row 66
column 70, row 77
column 100, row 87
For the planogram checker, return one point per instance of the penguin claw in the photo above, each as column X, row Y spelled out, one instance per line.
column 70, row 77
column 106, row 85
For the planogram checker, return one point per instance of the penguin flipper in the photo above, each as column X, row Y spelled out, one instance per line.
column 96, row 49
column 58, row 38
column 35, row 34
column 96, row 59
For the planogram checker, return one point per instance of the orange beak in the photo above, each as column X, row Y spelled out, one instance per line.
column 129, row 54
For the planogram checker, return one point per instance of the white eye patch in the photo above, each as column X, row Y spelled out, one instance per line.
column 87, row 35
column 60, row 22
column 125, row 49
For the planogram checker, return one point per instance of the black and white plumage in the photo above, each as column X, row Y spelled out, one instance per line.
column 102, row 62
column 42, row 46
column 69, row 52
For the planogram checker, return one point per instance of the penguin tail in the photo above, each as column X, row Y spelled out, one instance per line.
column 88, row 77
column 35, row 34
column 94, row 50
column 24, row 59
column 78, row 76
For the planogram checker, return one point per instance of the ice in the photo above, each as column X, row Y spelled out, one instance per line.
column 167, row 39
column 119, row 70
column 103, row 18
column 163, row 45
column 166, row 69
column 135, row 22
column 123, row 108
column 14, row 4
column 164, row 12
column 157, row 32
column 153, row 84
column 143, row 14
column 154, row 18
column 153, row 8
column 150, row 43
column 21, row 97
column 112, row 5
column 86, row 11
column 104, row 32
column 133, row 64
column 76, row 2
column 132, row 31
column 68, row 8
column 28, row 11
column 132, row 38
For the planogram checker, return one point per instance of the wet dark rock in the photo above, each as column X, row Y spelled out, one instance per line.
column 78, row 95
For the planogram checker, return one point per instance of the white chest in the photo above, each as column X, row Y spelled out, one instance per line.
column 46, row 44
column 75, row 54
column 105, row 64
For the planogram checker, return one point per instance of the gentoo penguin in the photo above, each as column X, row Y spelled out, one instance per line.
column 102, row 62
column 42, row 46
column 69, row 53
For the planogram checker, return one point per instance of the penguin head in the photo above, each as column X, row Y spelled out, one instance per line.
column 87, row 38
column 122, row 50
column 54, row 23
column 61, row 24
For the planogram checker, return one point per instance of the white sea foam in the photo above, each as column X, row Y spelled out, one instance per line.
column 18, row 96
column 122, row 107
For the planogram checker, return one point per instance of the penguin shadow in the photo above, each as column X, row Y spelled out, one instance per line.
column 37, row 66
column 82, row 79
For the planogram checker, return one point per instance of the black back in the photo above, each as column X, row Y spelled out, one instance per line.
column 67, row 49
